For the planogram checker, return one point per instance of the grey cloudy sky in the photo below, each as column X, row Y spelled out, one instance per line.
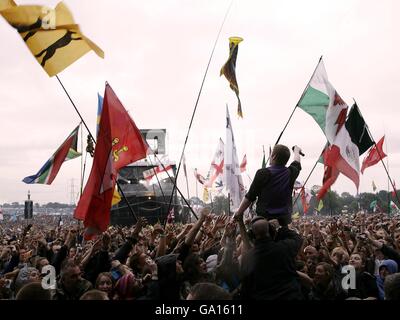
column 156, row 52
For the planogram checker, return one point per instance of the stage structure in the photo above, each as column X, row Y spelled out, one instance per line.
column 145, row 196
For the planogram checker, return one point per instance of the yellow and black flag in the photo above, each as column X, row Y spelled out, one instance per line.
column 5, row 4
column 50, row 34
column 229, row 69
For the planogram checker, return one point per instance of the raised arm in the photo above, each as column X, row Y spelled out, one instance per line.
column 189, row 240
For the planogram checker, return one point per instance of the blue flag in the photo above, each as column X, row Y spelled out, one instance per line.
column 99, row 108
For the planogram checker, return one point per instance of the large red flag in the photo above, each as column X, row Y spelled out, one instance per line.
column 119, row 143
column 375, row 154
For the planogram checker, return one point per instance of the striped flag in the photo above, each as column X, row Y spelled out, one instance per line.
column 67, row 151
column 158, row 172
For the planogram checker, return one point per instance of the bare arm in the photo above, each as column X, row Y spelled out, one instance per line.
column 162, row 245
column 242, row 228
column 195, row 229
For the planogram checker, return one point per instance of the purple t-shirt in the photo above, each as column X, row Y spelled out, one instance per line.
column 273, row 188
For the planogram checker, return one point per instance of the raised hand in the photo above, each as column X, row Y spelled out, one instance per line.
column 139, row 225
column 158, row 229
column 220, row 222
column 230, row 230
column 205, row 213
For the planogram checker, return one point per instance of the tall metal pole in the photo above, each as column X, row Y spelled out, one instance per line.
column 197, row 102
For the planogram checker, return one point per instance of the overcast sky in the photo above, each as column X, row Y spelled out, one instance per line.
column 156, row 52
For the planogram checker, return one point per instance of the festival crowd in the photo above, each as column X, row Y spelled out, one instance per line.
column 213, row 258
column 268, row 256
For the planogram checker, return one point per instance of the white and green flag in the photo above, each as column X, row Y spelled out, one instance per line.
column 323, row 103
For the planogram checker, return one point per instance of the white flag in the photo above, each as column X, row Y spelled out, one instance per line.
column 232, row 176
column 156, row 174
column 217, row 168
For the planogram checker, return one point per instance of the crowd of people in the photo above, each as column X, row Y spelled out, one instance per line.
column 267, row 256
column 218, row 257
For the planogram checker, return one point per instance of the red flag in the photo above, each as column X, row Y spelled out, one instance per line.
column 304, row 200
column 119, row 144
column 243, row 164
column 330, row 176
column 375, row 154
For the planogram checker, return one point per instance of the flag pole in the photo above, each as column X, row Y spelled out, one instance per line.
column 81, row 161
column 187, row 181
column 76, row 109
column 229, row 204
column 297, row 104
column 179, row 191
column 312, row 170
column 387, row 163
column 197, row 189
column 94, row 141
column 172, row 195
column 197, row 100
column 158, row 180
column 380, row 156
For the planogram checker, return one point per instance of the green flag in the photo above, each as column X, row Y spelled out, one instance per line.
column 373, row 205
column 323, row 103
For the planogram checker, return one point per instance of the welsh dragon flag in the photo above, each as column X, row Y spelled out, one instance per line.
column 322, row 102
column 49, row 171
column 325, row 105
